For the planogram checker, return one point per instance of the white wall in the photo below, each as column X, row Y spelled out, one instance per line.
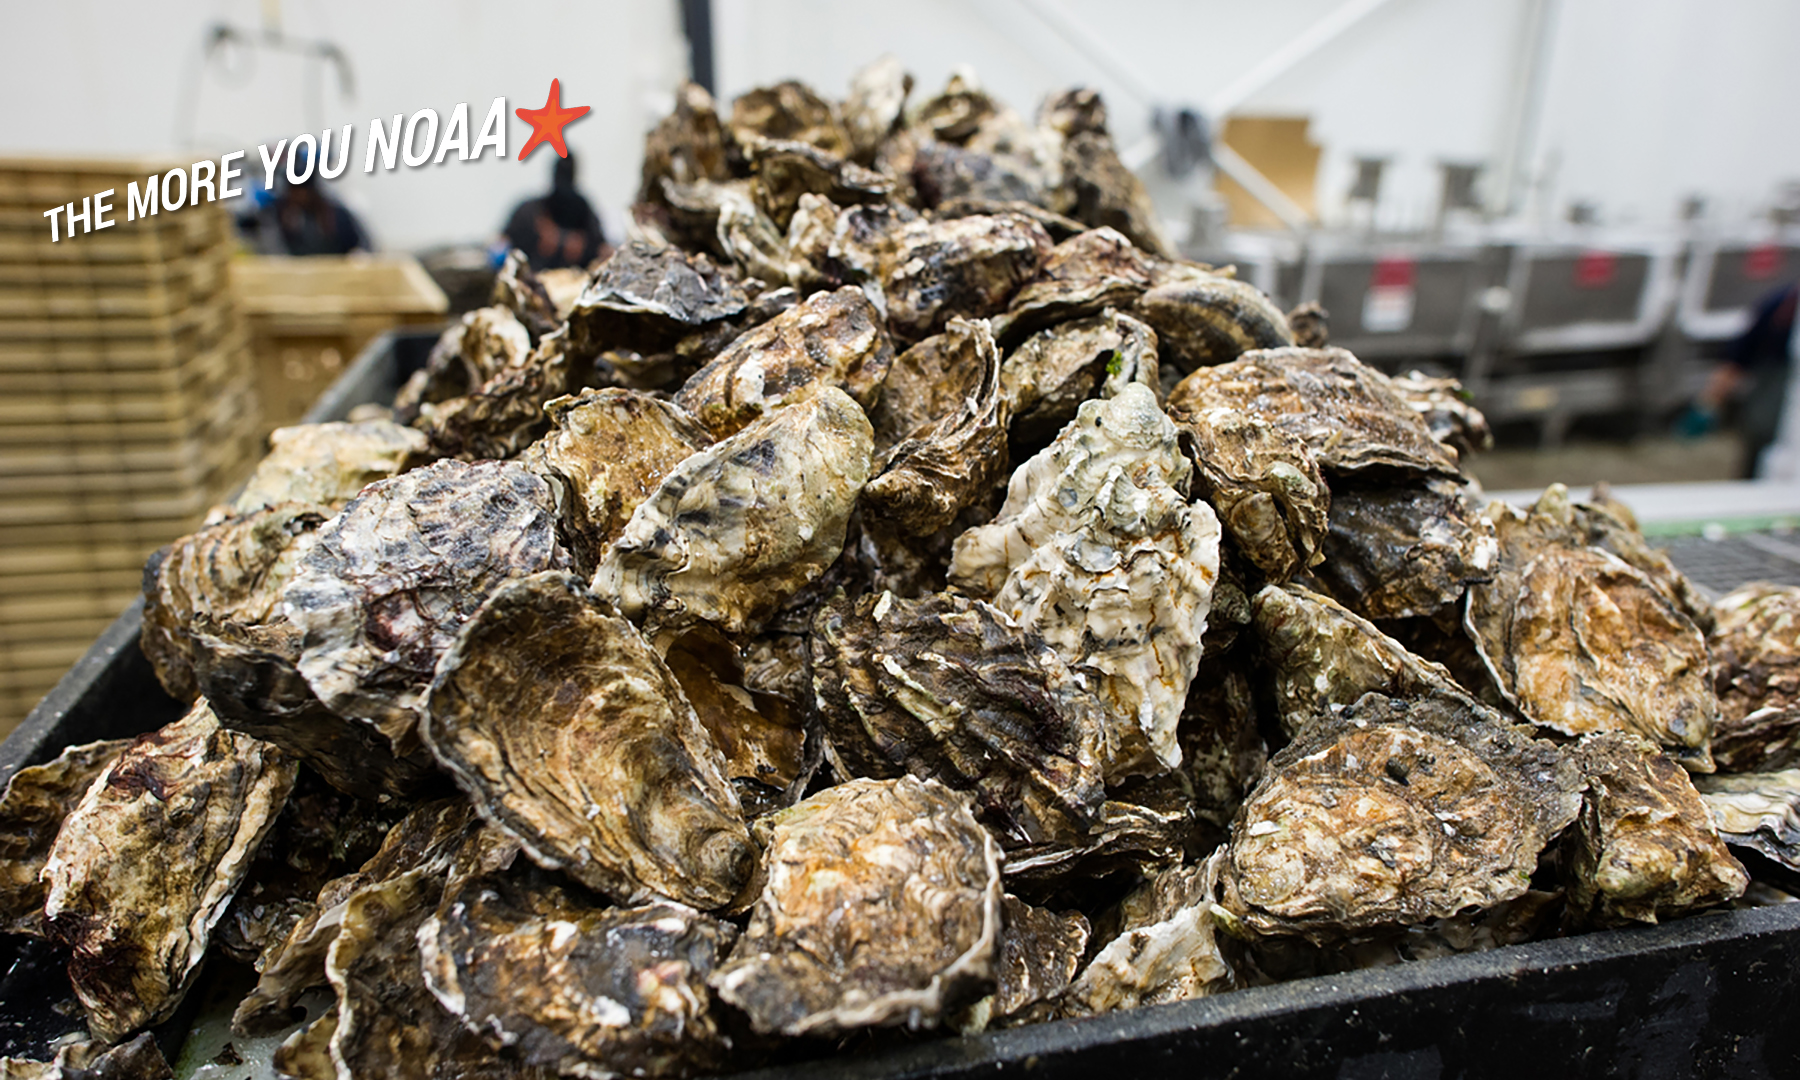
column 84, row 77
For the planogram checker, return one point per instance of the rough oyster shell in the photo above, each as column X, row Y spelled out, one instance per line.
column 948, row 688
column 686, row 146
column 1405, row 551
column 927, row 383
column 1040, row 953
column 391, row 579
column 578, row 989
column 1755, row 648
column 759, row 734
column 955, row 181
column 926, row 479
column 137, row 920
column 881, row 907
column 1310, row 324
column 1166, row 951
column 875, row 105
column 1264, row 484
column 1607, row 523
column 518, row 289
column 606, row 452
column 737, row 528
column 1646, row 848
column 787, row 110
column 1052, row 372
column 1759, row 811
column 1395, row 813
column 501, row 416
column 786, row 170
column 1097, row 189
column 1204, row 319
column 1083, row 275
column 1098, row 551
column 37, row 799
column 1342, row 409
column 645, row 297
column 828, row 339
column 968, row 266
column 1446, row 408
column 487, row 342
column 955, row 113
column 624, row 790
column 327, row 464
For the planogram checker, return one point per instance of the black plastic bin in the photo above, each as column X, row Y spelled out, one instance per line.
column 1710, row 996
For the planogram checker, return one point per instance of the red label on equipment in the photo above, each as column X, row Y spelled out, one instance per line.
column 1761, row 262
column 1596, row 269
column 1392, row 272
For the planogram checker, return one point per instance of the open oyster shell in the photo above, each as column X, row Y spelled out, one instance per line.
column 645, row 297
column 391, row 579
column 881, row 907
column 1646, row 848
column 574, row 988
column 948, row 688
column 327, row 464
column 1264, row 484
column 36, row 801
column 1392, row 813
column 737, row 528
column 969, row 266
column 828, row 339
column 1755, row 648
column 624, row 790
column 1203, row 319
column 1759, row 811
column 136, row 920
column 1405, row 551
column 1053, row 371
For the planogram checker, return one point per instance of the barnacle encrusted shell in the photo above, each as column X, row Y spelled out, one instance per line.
column 1404, row 551
column 1098, row 551
column 645, row 297
column 737, row 528
column 1755, row 648
column 606, row 452
column 969, row 266
column 1393, row 813
column 926, row 479
column 391, row 579
column 329, row 463
column 1206, row 319
column 1645, row 848
column 881, row 907
column 1168, row 949
column 1264, row 484
column 575, row 988
column 1581, row 641
column 1759, row 811
column 136, row 919
column 1083, row 275
column 1342, row 409
column 948, row 688
column 1052, row 372
column 828, row 339
column 37, row 799
column 572, row 735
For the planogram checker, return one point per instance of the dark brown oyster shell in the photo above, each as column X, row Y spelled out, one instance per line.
column 828, row 339
column 1446, row 407
column 1040, row 953
column 1342, row 409
column 1264, row 483
column 1052, row 372
column 955, row 181
column 1581, row 641
column 922, row 482
column 1098, row 190
column 383, row 592
column 1405, row 551
column 686, row 146
column 501, row 416
column 1755, row 648
column 1310, row 324
column 787, row 110
column 1759, row 811
column 955, row 113
column 786, row 170
column 93, row 1059
column 37, row 799
column 737, row 528
column 1083, row 275
column 881, row 907
column 1392, row 813
column 518, row 289
column 947, row 688
column 967, row 266
column 136, row 919
column 1205, row 319
column 487, row 342
column 625, row 790
column 1645, row 848
column 759, row 734
column 925, row 384
column 327, row 464
column 646, row 297
column 1167, row 948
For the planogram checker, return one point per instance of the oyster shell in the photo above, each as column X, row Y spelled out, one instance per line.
column 1040, row 954
column 881, row 907
column 686, row 146
column 1446, row 408
column 625, row 790
column 502, row 415
column 606, row 452
column 1264, row 484
column 391, row 579
column 1755, row 648
column 518, row 289
column 327, row 464
column 926, row 384
column 948, row 688
column 955, row 181
column 1098, row 190
column 1394, row 813
column 734, row 530
column 1048, row 376
column 1310, row 324
column 925, row 480
column 1343, row 410
column 1204, row 319
column 36, row 801
column 828, row 339
column 1646, row 848
column 787, row 110
column 875, row 105
column 786, row 170
column 1405, row 551
column 1167, row 950
column 957, row 112
column 759, row 734
column 1126, row 835
column 1759, row 811
column 1098, row 551
column 574, row 988
column 968, row 266
column 138, row 1059
column 646, row 297
column 1580, row 641
column 1609, row 524
column 487, row 342
column 1321, row 657
column 136, row 920
column 1083, row 275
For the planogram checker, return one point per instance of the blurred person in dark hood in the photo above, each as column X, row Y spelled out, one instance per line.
column 303, row 219
column 560, row 229
column 1757, row 374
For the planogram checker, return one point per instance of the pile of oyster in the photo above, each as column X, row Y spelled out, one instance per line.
column 892, row 591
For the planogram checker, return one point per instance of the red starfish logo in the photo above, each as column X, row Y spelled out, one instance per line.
column 547, row 122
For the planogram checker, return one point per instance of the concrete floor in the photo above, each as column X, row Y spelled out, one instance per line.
column 1660, row 459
